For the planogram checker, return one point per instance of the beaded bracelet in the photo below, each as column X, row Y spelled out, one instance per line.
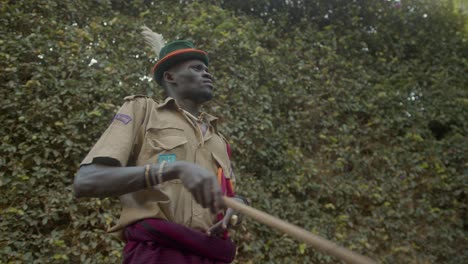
column 161, row 168
column 147, row 178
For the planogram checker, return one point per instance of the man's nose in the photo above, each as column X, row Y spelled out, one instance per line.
column 207, row 75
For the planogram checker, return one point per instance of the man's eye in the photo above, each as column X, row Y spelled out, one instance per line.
column 198, row 68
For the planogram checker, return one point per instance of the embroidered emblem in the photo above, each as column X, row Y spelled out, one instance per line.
column 167, row 158
column 123, row 118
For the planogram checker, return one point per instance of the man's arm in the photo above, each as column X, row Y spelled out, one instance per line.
column 97, row 180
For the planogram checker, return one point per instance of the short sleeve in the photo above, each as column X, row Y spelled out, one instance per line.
column 232, row 176
column 116, row 144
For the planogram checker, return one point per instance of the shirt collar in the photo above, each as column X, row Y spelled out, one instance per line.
column 171, row 102
column 168, row 101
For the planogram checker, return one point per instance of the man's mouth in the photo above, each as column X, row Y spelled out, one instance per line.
column 208, row 83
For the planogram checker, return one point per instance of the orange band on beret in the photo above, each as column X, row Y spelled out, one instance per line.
column 174, row 53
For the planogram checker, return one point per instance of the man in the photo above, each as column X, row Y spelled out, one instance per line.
column 169, row 165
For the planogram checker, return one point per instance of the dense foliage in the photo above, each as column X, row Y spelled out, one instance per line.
column 348, row 118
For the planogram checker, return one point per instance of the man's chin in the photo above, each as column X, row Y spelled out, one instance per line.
column 204, row 96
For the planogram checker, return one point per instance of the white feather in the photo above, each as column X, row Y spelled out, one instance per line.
column 153, row 39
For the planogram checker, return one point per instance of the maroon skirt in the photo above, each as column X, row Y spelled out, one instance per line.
column 158, row 241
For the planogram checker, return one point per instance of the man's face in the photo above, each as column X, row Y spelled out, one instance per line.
column 193, row 81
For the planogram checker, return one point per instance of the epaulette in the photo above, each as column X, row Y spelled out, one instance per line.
column 132, row 97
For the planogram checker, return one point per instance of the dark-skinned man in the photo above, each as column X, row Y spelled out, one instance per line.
column 169, row 165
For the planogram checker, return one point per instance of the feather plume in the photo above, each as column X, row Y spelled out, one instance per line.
column 153, row 39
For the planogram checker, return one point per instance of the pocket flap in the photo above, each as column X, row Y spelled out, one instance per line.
column 223, row 163
column 169, row 142
column 158, row 132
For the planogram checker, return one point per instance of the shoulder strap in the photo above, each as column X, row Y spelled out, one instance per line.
column 132, row 97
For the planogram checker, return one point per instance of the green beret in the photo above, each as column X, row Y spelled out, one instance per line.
column 176, row 52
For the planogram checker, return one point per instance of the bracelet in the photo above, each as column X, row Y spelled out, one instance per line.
column 153, row 173
column 161, row 168
column 147, row 178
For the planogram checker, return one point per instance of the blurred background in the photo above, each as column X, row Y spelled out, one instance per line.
column 348, row 118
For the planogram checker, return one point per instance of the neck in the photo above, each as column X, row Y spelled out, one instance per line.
column 189, row 106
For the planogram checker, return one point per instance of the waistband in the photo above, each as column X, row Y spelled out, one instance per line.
column 161, row 233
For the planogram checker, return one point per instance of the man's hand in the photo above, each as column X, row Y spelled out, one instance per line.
column 201, row 183
column 225, row 223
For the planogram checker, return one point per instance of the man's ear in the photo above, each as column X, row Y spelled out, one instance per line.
column 168, row 77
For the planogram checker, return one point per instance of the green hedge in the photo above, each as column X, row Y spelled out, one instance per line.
column 348, row 118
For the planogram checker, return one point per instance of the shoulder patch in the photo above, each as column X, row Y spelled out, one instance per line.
column 123, row 118
column 132, row 97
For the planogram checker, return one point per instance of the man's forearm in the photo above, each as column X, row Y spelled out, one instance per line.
column 97, row 180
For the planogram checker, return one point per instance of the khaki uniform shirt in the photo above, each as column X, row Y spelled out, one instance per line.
column 141, row 133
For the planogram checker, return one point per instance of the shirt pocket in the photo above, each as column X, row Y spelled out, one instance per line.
column 167, row 143
column 221, row 160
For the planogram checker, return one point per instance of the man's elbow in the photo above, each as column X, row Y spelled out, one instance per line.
column 78, row 188
column 83, row 185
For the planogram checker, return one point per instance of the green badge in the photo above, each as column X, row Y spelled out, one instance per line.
column 167, row 158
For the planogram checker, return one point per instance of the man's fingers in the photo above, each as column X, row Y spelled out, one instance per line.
column 218, row 198
column 205, row 190
column 198, row 195
column 227, row 217
column 215, row 228
column 219, row 203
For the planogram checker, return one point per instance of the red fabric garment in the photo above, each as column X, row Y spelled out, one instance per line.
column 158, row 241
column 226, row 189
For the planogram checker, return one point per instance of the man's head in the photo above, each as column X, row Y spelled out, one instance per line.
column 182, row 70
column 189, row 80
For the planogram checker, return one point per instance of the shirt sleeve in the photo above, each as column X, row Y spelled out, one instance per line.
column 232, row 176
column 116, row 144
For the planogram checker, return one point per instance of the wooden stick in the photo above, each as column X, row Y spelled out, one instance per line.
column 301, row 234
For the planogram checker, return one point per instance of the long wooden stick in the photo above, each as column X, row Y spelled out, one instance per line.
column 301, row 234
